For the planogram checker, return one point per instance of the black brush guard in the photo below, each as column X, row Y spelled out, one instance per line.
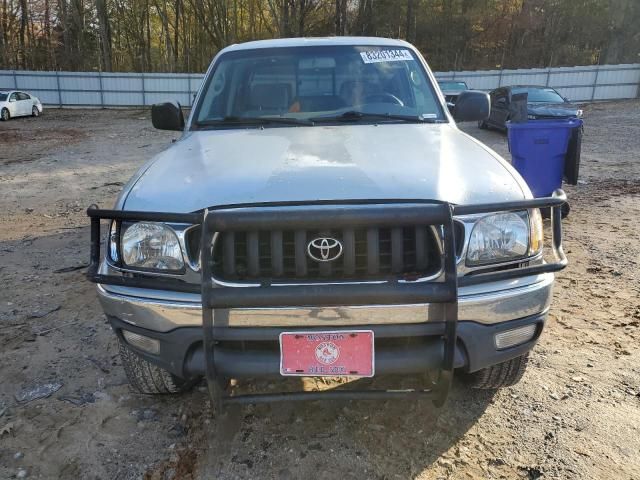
column 331, row 215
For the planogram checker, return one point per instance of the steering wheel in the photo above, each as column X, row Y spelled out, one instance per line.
column 383, row 97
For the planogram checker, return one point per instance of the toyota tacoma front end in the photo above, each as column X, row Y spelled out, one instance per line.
column 322, row 215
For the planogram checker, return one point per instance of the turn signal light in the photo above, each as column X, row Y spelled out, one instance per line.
column 150, row 345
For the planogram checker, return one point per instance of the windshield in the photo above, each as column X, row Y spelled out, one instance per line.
column 3, row 97
column 305, row 83
column 452, row 85
column 540, row 95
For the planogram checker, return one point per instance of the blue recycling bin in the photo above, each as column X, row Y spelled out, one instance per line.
column 538, row 150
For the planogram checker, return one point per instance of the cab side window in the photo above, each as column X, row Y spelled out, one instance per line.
column 13, row 97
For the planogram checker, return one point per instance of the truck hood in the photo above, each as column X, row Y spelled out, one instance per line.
column 397, row 161
column 553, row 109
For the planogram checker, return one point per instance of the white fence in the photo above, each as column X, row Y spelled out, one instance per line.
column 103, row 89
column 587, row 83
column 601, row 82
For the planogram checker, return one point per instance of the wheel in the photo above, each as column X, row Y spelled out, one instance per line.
column 145, row 377
column 5, row 116
column 35, row 112
column 503, row 374
column 482, row 124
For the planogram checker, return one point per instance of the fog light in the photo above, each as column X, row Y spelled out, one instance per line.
column 147, row 344
column 511, row 338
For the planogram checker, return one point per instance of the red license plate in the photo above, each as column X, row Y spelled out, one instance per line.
column 327, row 354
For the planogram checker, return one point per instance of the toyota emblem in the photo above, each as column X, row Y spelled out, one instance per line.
column 324, row 249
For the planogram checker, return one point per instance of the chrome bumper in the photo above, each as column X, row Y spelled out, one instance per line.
column 487, row 303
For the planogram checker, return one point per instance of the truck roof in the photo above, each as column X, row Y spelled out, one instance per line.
column 317, row 42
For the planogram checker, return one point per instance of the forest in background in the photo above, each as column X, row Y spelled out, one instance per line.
column 184, row 35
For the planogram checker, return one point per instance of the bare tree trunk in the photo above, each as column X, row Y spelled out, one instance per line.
column 302, row 13
column 161, row 8
column 371, row 26
column 104, row 26
column 365, row 18
column 24, row 18
column 77, row 17
column 146, row 47
column 341, row 17
column 252, row 19
column 286, row 22
column 617, row 14
column 47, row 35
column 66, row 37
column 410, row 28
column 3, row 35
column 176, row 36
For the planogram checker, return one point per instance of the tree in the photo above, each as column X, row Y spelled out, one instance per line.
column 105, row 34
column 410, row 27
column 24, row 21
column 341, row 17
column 183, row 35
column 624, row 30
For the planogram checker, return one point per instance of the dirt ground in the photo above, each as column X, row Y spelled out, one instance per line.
column 576, row 413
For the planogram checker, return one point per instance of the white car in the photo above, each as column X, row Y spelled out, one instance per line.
column 18, row 104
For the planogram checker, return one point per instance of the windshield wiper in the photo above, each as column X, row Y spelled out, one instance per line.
column 234, row 120
column 354, row 116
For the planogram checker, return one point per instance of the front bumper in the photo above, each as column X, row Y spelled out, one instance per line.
column 225, row 350
column 163, row 311
column 399, row 349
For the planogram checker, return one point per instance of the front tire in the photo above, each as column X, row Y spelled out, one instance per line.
column 145, row 377
column 35, row 112
column 502, row 375
column 5, row 115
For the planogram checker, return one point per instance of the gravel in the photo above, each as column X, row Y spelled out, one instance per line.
column 54, row 166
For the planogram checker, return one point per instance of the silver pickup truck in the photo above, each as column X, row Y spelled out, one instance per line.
column 323, row 215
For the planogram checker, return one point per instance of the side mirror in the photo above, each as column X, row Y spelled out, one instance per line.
column 167, row 116
column 472, row 106
column 566, row 99
column 451, row 106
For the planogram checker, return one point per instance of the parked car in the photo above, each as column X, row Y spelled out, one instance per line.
column 451, row 89
column 542, row 103
column 18, row 104
column 323, row 215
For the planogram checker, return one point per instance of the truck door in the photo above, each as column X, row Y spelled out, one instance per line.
column 24, row 103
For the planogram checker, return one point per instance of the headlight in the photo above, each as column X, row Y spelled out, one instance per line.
column 498, row 238
column 151, row 245
column 531, row 117
column 579, row 113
